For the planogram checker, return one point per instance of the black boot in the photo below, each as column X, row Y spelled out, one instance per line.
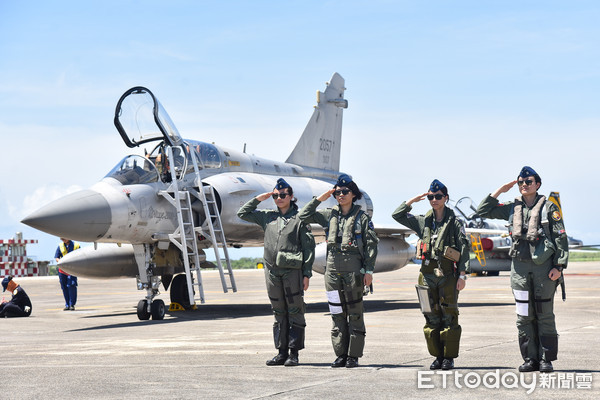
column 279, row 359
column 529, row 366
column 339, row 362
column 546, row 366
column 437, row 363
column 447, row 364
column 351, row 362
column 292, row 359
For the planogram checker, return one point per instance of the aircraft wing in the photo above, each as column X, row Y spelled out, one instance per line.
column 484, row 231
column 389, row 231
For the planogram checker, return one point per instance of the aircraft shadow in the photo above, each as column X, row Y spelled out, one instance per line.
column 235, row 311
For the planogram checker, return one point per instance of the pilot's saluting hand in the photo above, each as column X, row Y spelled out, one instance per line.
column 326, row 195
column 504, row 188
column 264, row 196
column 417, row 198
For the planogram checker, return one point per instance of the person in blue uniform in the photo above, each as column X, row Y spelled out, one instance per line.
column 68, row 283
column 19, row 305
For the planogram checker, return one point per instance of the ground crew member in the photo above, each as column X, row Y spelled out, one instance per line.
column 539, row 252
column 68, row 283
column 289, row 256
column 351, row 254
column 444, row 251
column 19, row 305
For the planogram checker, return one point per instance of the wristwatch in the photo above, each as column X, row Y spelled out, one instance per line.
column 463, row 277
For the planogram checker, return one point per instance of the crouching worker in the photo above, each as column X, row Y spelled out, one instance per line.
column 19, row 305
column 289, row 256
column 444, row 251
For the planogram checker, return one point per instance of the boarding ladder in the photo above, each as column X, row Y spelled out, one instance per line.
column 478, row 248
column 185, row 236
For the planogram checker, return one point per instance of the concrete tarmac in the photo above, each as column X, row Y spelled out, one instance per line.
column 102, row 351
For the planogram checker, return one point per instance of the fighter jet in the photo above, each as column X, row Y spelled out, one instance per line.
column 158, row 213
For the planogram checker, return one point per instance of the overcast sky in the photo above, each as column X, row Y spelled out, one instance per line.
column 463, row 91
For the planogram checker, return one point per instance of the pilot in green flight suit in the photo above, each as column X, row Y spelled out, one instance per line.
column 539, row 252
column 289, row 255
column 351, row 254
column 444, row 249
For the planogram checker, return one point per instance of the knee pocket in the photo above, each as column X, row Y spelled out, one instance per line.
column 354, row 317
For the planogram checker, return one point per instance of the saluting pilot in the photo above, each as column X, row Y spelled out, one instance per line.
column 539, row 252
column 289, row 255
column 444, row 251
column 351, row 255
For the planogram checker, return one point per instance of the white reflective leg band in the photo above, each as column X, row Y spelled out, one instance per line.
column 335, row 305
column 522, row 301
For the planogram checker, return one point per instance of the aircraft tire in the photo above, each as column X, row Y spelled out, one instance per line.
column 179, row 292
column 158, row 310
column 142, row 310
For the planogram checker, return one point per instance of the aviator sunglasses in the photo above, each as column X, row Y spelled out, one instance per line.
column 280, row 195
column 435, row 196
column 526, row 182
column 341, row 191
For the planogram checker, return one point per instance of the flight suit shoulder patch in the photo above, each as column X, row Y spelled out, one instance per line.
column 556, row 216
column 371, row 226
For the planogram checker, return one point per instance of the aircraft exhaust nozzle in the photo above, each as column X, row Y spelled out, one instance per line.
column 107, row 261
column 84, row 216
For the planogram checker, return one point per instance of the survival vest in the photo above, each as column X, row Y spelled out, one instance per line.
column 435, row 250
column 352, row 233
column 286, row 239
column 538, row 221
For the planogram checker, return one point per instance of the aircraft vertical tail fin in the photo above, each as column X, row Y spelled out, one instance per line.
column 319, row 145
column 555, row 198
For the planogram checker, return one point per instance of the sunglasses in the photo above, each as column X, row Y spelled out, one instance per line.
column 435, row 196
column 280, row 195
column 526, row 182
column 341, row 191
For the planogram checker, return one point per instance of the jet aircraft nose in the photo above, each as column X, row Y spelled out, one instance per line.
column 83, row 216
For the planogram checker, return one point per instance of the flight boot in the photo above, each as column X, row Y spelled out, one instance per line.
column 529, row 366
column 546, row 366
column 279, row 359
column 292, row 359
column 447, row 364
column 351, row 362
column 339, row 362
column 437, row 363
